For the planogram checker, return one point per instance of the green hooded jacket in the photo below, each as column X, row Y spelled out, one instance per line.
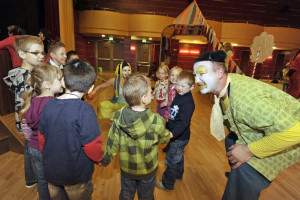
column 136, row 135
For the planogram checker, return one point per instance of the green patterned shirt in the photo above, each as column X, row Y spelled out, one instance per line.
column 257, row 109
column 136, row 135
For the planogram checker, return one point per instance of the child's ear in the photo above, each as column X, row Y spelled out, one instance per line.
column 91, row 89
column 143, row 99
column 52, row 54
column 22, row 54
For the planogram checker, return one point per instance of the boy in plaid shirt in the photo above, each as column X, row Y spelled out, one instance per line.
column 136, row 132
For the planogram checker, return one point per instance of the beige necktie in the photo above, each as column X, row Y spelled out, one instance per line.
column 216, row 118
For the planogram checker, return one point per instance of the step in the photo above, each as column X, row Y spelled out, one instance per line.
column 8, row 142
column 4, row 143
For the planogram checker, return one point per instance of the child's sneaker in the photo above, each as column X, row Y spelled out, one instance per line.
column 159, row 184
column 30, row 185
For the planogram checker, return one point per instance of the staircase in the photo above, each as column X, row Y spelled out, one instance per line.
column 8, row 141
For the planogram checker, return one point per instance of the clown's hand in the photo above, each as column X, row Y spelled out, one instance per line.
column 239, row 154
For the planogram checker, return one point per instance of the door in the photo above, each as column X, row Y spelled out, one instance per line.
column 109, row 54
column 143, row 57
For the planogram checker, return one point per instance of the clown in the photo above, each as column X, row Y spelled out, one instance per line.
column 264, row 126
column 106, row 109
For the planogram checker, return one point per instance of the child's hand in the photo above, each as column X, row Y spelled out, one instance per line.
column 164, row 104
column 90, row 96
column 99, row 163
column 171, row 135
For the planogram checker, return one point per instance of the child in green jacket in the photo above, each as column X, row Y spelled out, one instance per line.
column 136, row 132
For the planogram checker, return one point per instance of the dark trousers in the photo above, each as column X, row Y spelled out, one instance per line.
column 175, row 163
column 36, row 159
column 244, row 183
column 144, row 188
column 30, row 177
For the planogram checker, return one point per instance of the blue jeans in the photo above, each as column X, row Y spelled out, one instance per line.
column 244, row 183
column 80, row 191
column 30, row 177
column 144, row 188
column 36, row 158
column 175, row 163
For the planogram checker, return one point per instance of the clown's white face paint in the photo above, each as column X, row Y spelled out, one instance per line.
column 206, row 78
column 126, row 71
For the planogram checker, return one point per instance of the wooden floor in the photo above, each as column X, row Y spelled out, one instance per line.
column 205, row 165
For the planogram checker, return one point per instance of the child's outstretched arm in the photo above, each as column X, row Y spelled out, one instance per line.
column 93, row 149
column 108, row 83
column 112, row 145
column 164, row 134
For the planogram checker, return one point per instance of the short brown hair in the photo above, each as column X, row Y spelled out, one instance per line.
column 55, row 45
column 24, row 42
column 134, row 88
column 188, row 76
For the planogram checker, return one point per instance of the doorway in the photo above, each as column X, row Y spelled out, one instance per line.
column 109, row 54
column 143, row 57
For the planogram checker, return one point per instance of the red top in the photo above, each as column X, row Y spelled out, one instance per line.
column 296, row 63
column 9, row 44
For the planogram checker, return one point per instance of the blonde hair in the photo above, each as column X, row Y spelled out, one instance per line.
column 53, row 46
column 38, row 75
column 188, row 76
column 163, row 67
column 134, row 88
column 24, row 42
column 175, row 68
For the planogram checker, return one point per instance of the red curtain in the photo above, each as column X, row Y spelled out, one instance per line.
column 52, row 17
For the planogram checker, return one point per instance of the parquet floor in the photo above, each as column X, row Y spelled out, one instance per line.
column 205, row 164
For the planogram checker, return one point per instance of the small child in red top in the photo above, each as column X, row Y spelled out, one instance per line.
column 161, row 89
column 173, row 75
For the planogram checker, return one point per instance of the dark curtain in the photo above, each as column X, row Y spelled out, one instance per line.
column 52, row 17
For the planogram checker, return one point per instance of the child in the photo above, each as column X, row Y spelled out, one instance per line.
column 72, row 55
column 107, row 109
column 161, row 89
column 71, row 135
column 30, row 50
column 44, row 83
column 58, row 56
column 173, row 75
column 179, row 123
column 14, row 32
column 136, row 132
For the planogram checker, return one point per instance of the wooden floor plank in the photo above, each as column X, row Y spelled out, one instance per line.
column 205, row 165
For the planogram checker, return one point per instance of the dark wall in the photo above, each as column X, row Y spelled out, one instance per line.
column 29, row 14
